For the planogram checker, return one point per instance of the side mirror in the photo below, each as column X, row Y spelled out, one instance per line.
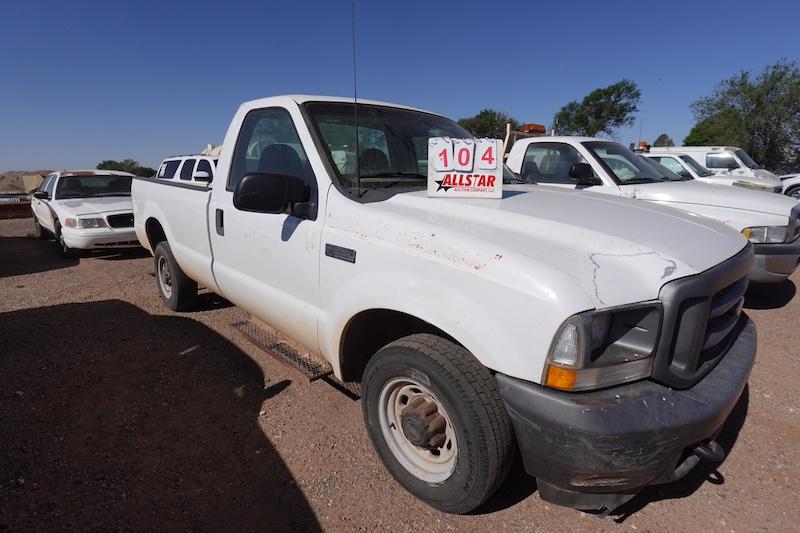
column 202, row 175
column 265, row 192
column 584, row 175
column 41, row 195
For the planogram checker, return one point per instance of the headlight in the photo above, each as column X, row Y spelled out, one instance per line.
column 85, row 223
column 765, row 234
column 598, row 349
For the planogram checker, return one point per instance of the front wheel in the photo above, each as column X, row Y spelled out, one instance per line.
column 178, row 291
column 39, row 231
column 61, row 246
column 794, row 192
column 437, row 422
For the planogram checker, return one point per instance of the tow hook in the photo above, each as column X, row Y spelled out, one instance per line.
column 710, row 451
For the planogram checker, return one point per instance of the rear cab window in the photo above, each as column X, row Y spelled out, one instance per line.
column 167, row 169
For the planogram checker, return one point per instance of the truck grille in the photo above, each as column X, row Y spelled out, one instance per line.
column 700, row 317
column 120, row 221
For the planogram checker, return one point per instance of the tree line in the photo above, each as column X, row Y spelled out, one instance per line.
column 756, row 111
column 127, row 165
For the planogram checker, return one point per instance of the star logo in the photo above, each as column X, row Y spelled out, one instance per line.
column 445, row 187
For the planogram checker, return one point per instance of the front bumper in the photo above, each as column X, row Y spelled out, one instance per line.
column 596, row 450
column 96, row 238
column 775, row 262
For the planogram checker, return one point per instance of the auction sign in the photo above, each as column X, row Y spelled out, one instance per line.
column 465, row 168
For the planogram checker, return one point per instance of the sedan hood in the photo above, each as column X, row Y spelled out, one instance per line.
column 97, row 206
column 704, row 194
column 614, row 250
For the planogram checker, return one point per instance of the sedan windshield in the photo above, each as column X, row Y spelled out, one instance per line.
column 699, row 169
column 627, row 167
column 747, row 160
column 392, row 143
column 93, row 186
column 663, row 171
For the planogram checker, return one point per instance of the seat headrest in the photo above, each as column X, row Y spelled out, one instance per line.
column 281, row 159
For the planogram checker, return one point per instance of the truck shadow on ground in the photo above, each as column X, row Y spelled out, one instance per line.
column 116, row 419
column 703, row 472
column 769, row 295
column 27, row 255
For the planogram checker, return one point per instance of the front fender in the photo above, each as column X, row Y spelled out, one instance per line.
column 507, row 330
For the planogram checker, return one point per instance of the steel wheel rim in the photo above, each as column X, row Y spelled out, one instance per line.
column 164, row 277
column 795, row 194
column 422, row 463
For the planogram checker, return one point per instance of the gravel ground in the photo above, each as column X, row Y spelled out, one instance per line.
column 118, row 414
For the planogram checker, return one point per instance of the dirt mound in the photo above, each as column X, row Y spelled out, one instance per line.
column 11, row 181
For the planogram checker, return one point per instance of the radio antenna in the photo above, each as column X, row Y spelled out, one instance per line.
column 355, row 98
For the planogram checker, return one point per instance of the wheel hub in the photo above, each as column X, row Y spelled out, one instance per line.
column 422, row 424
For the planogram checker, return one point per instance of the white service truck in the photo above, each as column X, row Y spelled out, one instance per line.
column 601, row 337
column 769, row 221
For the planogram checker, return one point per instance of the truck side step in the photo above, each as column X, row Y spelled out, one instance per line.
column 309, row 366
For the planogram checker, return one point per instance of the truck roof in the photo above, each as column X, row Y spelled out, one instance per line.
column 303, row 98
column 93, row 172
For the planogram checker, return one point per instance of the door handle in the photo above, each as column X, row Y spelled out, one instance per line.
column 220, row 222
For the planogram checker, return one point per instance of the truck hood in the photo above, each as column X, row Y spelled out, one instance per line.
column 97, row 206
column 616, row 251
column 704, row 194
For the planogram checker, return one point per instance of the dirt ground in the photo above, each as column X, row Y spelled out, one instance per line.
column 118, row 414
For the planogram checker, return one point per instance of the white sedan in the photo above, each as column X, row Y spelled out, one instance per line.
column 85, row 209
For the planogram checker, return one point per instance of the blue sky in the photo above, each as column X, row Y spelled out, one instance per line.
column 83, row 81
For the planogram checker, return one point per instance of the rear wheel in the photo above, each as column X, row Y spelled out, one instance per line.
column 437, row 422
column 178, row 291
column 794, row 192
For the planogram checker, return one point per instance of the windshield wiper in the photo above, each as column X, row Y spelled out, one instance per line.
column 639, row 179
column 404, row 177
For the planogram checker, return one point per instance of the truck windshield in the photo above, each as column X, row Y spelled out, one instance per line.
column 699, row 169
column 747, row 160
column 627, row 167
column 392, row 143
column 93, row 186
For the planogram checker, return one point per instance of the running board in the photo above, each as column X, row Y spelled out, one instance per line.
column 311, row 367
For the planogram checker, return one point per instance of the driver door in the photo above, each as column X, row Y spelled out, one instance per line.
column 549, row 163
column 268, row 263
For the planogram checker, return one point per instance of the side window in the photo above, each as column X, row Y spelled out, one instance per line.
column 43, row 185
column 268, row 142
column 168, row 168
column 674, row 166
column 204, row 166
column 50, row 186
column 549, row 162
column 187, row 169
column 722, row 160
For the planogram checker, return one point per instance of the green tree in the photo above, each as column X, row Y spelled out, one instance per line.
column 488, row 123
column 663, row 140
column 757, row 112
column 601, row 111
column 126, row 165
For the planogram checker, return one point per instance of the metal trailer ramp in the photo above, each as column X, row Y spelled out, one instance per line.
column 311, row 367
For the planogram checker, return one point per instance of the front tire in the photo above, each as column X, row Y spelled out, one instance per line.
column 437, row 421
column 794, row 192
column 178, row 291
column 39, row 231
column 61, row 246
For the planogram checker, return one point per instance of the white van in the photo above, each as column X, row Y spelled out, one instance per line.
column 727, row 161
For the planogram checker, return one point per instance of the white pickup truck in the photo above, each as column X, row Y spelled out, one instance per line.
column 770, row 221
column 600, row 336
